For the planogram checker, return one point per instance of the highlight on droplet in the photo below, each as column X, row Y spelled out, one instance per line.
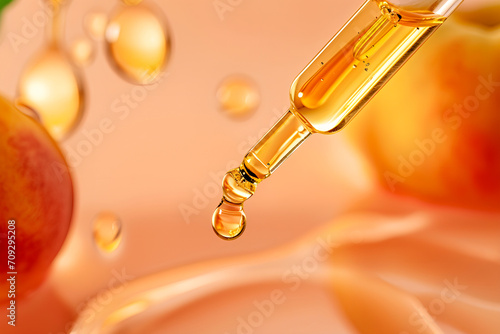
column 107, row 231
column 51, row 87
column 229, row 220
column 138, row 43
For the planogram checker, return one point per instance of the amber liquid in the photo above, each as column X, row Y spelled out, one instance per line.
column 107, row 231
column 138, row 42
column 331, row 90
column 356, row 63
column 50, row 87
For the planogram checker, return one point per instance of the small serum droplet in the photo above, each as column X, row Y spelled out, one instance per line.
column 107, row 231
column 229, row 220
column 52, row 88
column 138, row 43
column 238, row 96
column 82, row 52
column 95, row 25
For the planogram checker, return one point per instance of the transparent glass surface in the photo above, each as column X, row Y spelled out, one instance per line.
column 359, row 60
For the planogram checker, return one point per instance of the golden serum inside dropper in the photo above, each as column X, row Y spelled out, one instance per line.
column 331, row 90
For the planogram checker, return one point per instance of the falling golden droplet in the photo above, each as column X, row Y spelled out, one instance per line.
column 95, row 24
column 51, row 87
column 82, row 52
column 107, row 231
column 138, row 43
column 238, row 96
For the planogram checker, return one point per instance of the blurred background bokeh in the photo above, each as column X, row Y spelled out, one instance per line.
column 147, row 149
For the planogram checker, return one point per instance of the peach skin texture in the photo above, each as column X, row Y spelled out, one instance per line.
column 433, row 132
column 36, row 191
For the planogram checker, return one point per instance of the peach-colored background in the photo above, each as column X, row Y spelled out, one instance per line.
column 158, row 157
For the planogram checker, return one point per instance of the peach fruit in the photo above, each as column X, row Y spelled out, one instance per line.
column 434, row 131
column 36, row 200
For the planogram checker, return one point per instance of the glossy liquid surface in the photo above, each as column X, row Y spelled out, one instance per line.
column 107, row 231
column 276, row 145
column 357, row 62
column 229, row 220
column 51, row 88
column 138, row 43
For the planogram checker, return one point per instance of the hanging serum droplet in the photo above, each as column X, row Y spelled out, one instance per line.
column 332, row 89
column 229, row 220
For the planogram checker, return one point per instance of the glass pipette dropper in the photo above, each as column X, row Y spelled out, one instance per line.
column 331, row 90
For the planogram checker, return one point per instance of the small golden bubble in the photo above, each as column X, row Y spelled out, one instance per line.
column 107, row 231
column 138, row 43
column 82, row 52
column 238, row 96
column 95, row 24
column 52, row 88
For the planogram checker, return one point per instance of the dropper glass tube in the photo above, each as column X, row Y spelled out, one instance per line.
column 353, row 66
